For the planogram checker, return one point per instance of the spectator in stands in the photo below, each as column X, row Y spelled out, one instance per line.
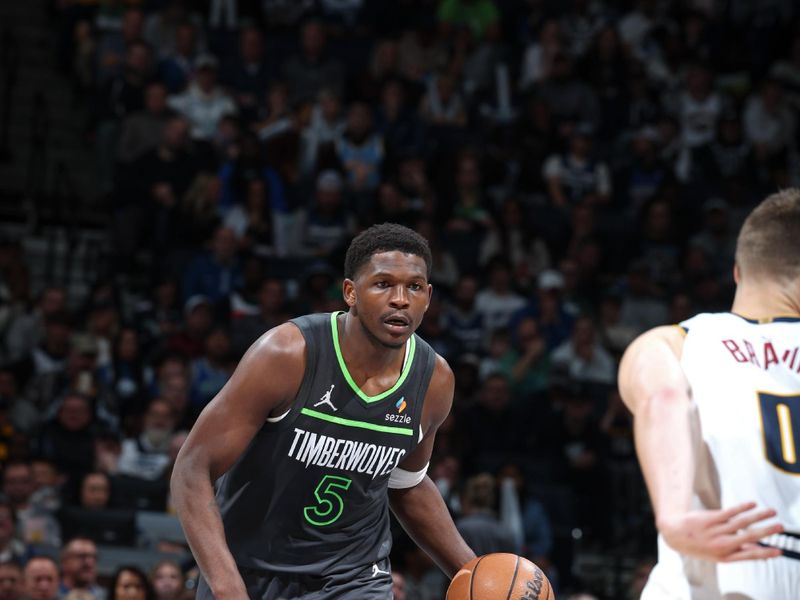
column 614, row 334
column 130, row 583
column 111, row 45
column 466, row 214
column 35, row 522
column 491, row 428
column 41, row 579
column 50, row 355
column 11, row 547
column 579, row 448
column 11, row 584
column 127, row 374
column 216, row 273
column 275, row 117
column 642, row 306
column 27, row 330
column 443, row 105
column 401, row 127
column 479, row 525
column 327, row 223
column 211, row 371
column 176, row 393
column 121, row 96
column 569, row 99
column 699, row 107
column 360, row 149
column 161, row 27
column 204, row 102
column 146, row 455
column 259, row 228
column 537, row 61
column 79, row 568
column 151, row 191
column 528, row 364
column 770, row 126
column 141, row 131
column 577, row 176
column 271, row 312
column 95, row 491
column 498, row 301
column 249, row 74
column 47, row 482
column 512, row 236
column 324, row 130
column 20, row 414
column 582, row 357
column 68, row 439
column 176, row 69
column 313, row 69
column 462, row 318
column 168, row 581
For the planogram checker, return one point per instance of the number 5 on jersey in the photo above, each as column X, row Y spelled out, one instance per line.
column 329, row 504
column 780, row 416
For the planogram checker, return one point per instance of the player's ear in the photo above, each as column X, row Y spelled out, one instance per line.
column 737, row 274
column 349, row 292
column 430, row 295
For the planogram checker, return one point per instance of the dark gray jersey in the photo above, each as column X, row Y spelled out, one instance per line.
column 309, row 495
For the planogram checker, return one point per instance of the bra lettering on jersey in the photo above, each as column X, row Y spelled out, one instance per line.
column 762, row 354
column 346, row 455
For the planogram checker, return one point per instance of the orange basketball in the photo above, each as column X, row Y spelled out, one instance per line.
column 500, row 576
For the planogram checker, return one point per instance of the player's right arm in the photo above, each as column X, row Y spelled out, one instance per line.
column 655, row 389
column 264, row 384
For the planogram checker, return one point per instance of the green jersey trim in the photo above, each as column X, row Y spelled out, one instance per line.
column 360, row 424
column 409, row 361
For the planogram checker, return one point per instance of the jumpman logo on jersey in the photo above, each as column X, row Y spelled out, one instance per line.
column 326, row 398
column 376, row 571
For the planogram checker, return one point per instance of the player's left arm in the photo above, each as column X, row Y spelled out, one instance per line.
column 655, row 389
column 418, row 505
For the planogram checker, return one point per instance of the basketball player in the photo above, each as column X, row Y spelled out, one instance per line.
column 323, row 415
column 716, row 404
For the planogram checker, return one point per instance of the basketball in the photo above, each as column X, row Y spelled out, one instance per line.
column 500, row 576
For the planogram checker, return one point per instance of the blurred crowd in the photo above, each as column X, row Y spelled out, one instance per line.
column 579, row 168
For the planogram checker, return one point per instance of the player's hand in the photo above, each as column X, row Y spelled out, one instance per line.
column 725, row 535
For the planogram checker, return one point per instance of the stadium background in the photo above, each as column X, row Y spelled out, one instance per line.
column 178, row 177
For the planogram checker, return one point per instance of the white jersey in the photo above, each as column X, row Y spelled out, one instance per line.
column 744, row 378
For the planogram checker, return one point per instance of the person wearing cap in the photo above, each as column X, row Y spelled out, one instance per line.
column 547, row 306
column 204, row 102
column 326, row 224
column 198, row 319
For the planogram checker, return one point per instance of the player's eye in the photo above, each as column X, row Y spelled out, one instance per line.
column 415, row 287
column 381, row 284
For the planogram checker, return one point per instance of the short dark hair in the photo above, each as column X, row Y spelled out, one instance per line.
column 386, row 237
column 768, row 241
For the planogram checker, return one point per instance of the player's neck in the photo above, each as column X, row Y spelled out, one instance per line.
column 363, row 353
column 766, row 299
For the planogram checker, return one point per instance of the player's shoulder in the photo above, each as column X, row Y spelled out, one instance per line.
column 283, row 342
column 711, row 320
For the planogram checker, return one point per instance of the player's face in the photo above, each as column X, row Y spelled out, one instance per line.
column 390, row 295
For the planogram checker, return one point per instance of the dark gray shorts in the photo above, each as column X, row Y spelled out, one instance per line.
column 368, row 583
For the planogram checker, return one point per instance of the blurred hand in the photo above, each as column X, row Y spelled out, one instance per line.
column 724, row 535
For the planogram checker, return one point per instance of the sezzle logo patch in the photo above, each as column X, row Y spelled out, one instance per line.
column 400, row 405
